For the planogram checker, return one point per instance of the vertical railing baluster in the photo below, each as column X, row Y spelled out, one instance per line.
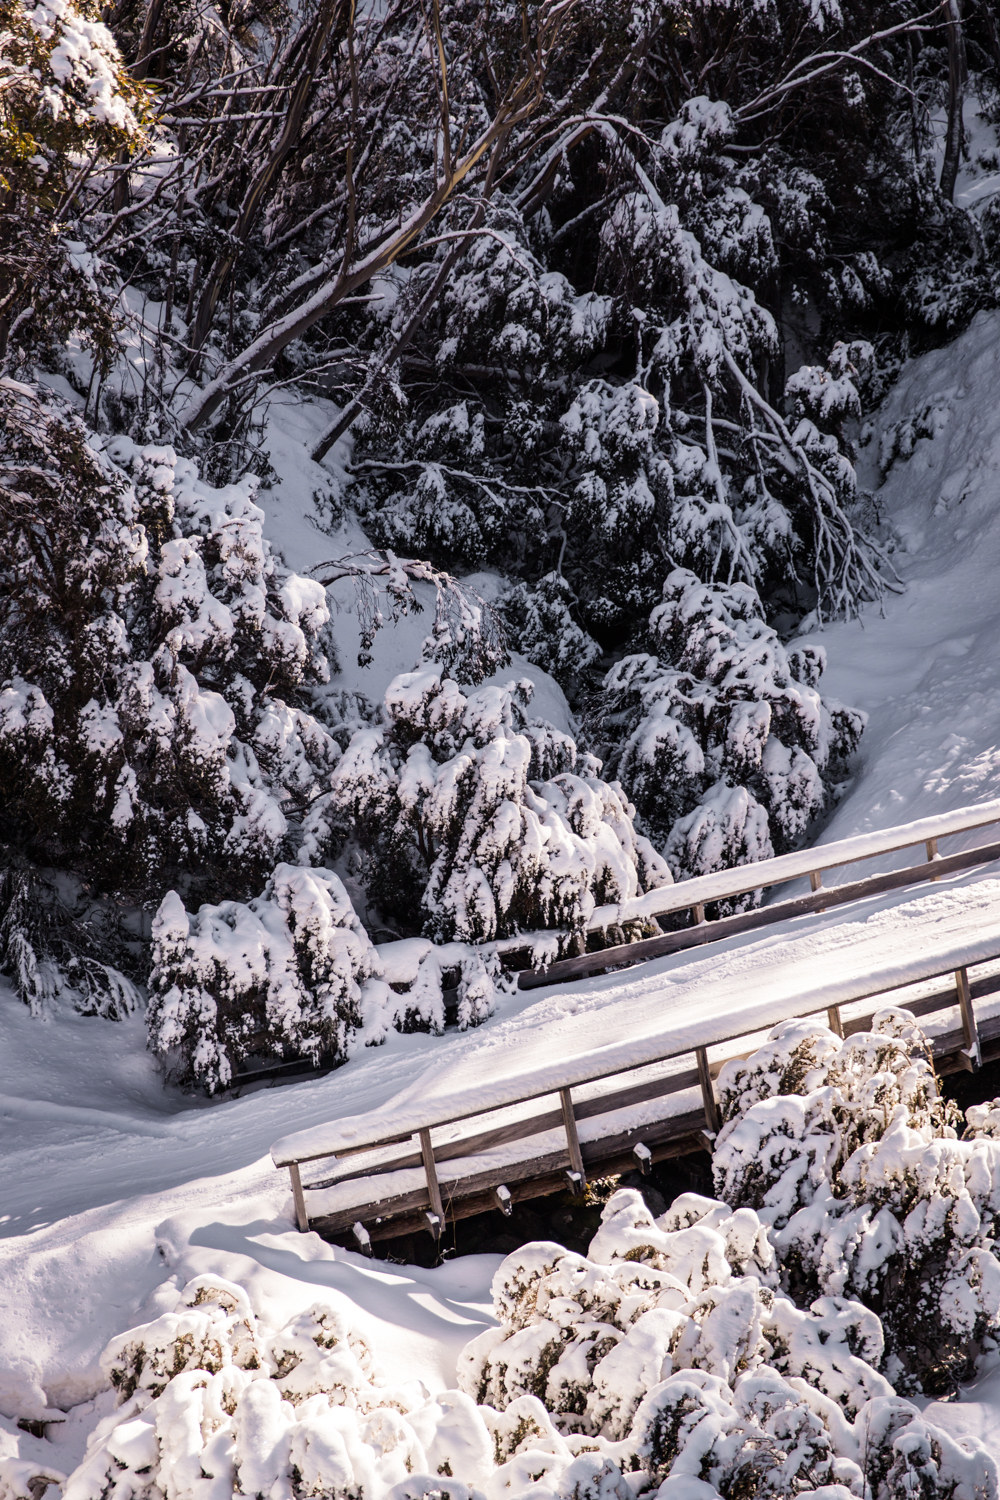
column 971, row 1052
column 299, row 1196
column 577, row 1176
column 707, row 1090
column 435, row 1219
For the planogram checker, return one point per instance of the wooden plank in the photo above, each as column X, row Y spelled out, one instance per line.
column 502, row 1135
column 834, row 1021
column 466, row 1145
column 302, row 1218
column 707, row 1091
column 433, row 1190
column 723, row 885
column 928, row 1005
column 972, row 1049
column 932, row 854
column 815, row 880
column 533, row 1187
column 572, row 1139
column 751, row 921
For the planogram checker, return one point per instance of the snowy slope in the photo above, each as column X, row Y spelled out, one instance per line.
column 97, row 1157
column 926, row 668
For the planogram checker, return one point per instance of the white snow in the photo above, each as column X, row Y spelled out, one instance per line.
column 925, row 669
column 117, row 1191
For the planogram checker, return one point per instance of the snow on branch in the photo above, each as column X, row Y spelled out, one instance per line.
column 468, row 633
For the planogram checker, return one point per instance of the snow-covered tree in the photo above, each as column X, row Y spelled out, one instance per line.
column 477, row 822
column 281, row 976
column 154, row 663
column 718, row 733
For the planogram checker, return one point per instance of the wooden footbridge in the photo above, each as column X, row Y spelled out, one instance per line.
column 493, row 1127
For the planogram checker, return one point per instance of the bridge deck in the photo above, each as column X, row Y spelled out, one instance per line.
column 623, row 1062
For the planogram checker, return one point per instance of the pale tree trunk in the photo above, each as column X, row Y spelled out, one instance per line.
column 957, row 78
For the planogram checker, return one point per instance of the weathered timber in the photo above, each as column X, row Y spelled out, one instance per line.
column 516, row 1130
column 577, row 1176
column 675, row 1136
column 301, row 1216
column 750, row 921
column 707, row 1090
column 971, row 1051
column 436, row 1219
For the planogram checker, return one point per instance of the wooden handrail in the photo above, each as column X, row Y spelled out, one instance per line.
column 820, row 899
column 723, row 885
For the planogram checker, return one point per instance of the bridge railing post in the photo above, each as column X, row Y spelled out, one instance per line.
column 435, row 1219
column 578, row 1177
column 707, row 1090
column 301, row 1216
column 972, row 1052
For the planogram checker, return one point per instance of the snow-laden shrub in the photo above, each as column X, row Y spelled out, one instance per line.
column 798, row 1107
column 983, row 1121
column 211, row 1404
column 154, row 663
column 718, row 734
column 22, row 1479
column 693, row 1290
column 847, row 1149
column 541, row 621
column 477, row 822
column 663, row 1362
column 668, row 1353
column 280, row 976
column 212, row 1328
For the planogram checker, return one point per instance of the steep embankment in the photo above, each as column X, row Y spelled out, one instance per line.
column 927, row 667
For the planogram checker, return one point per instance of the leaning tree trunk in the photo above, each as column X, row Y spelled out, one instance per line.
column 957, row 78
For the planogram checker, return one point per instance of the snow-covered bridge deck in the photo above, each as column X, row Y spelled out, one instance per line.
column 625, row 1067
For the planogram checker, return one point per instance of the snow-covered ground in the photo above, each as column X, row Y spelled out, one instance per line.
column 926, row 667
column 115, row 1189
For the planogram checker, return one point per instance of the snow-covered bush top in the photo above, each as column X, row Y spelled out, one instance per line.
column 460, row 797
column 848, row 1151
column 721, row 738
